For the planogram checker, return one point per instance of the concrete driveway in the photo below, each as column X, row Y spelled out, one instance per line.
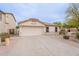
column 49, row 44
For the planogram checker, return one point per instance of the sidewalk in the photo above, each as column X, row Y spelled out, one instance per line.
column 5, row 49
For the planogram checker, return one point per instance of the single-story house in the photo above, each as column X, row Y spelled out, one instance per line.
column 7, row 23
column 34, row 26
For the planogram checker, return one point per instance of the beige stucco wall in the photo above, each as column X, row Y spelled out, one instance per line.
column 0, row 27
column 11, row 22
column 30, row 23
column 7, row 23
column 2, row 24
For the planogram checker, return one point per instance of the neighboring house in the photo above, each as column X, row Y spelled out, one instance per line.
column 50, row 27
column 34, row 26
column 7, row 23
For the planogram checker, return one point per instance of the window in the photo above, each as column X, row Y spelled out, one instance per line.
column 11, row 31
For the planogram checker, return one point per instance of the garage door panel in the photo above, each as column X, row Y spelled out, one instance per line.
column 51, row 29
column 29, row 31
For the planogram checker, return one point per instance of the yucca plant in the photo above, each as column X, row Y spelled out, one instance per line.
column 66, row 37
column 62, row 32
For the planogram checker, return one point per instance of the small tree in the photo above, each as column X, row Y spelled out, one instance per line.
column 17, row 27
column 72, row 23
column 73, row 16
column 58, row 24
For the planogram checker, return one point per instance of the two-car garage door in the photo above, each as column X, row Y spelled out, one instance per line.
column 29, row 31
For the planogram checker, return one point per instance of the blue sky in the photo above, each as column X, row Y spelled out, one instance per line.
column 47, row 12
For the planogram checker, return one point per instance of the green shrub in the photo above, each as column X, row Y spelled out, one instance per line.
column 66, row 37
column 77, row 35
column 4, row 35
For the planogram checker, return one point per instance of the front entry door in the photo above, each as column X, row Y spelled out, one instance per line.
column 47, row 29
column 56, row 29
